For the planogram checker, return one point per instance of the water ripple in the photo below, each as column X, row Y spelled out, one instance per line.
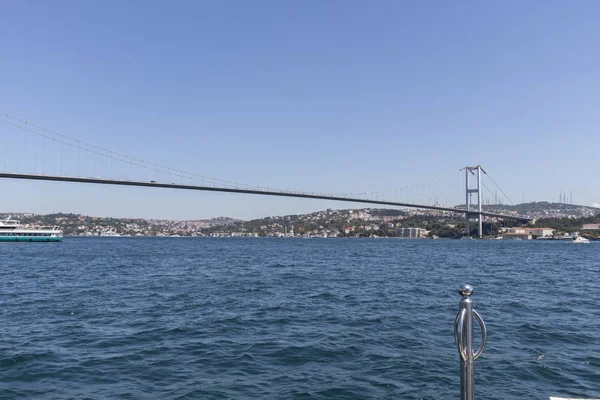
column 146, row 318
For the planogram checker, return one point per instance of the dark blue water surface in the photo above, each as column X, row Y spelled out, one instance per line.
column 199, row 318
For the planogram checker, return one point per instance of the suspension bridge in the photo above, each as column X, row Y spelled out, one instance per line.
column 33, row 152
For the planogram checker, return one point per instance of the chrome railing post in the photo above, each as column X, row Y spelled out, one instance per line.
column 463, row 335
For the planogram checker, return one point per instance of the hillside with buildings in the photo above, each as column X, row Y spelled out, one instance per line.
column 548, row 221
column 543, row 209
column 83, row 225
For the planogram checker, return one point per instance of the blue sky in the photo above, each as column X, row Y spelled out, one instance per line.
column 324, row 96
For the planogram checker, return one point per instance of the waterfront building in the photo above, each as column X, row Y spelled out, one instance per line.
column 538, row 232
column 411, row 232
column 542, row 232
column 516, row 236
column 591, row 227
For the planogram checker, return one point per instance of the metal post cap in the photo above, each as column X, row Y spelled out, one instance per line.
column 465, row 290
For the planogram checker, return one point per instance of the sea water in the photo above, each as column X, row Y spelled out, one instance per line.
column 228, row 318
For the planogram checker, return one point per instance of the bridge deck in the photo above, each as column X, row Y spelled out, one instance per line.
column 102, row 181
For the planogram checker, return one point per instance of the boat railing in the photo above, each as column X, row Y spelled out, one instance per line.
column 9, row 223
column 463, row 335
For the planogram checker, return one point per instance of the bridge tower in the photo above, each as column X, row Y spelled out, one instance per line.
column 473, row 214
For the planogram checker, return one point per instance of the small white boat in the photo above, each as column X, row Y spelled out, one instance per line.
column 579, row 239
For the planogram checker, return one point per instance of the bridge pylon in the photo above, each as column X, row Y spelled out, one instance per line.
column 469, row 191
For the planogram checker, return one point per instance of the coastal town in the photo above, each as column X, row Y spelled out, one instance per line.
column 549, row 221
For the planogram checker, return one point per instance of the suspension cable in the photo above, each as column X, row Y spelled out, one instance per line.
column 100, row 148
column 499, row 188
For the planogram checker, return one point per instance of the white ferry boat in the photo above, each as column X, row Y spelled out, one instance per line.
column 11, row 231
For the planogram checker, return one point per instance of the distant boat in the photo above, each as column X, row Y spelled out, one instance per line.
column 11, row 231
column 579, row 239
column 466, row 238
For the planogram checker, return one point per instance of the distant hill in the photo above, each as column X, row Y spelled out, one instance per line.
column 544, row 209
column 366, row 221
